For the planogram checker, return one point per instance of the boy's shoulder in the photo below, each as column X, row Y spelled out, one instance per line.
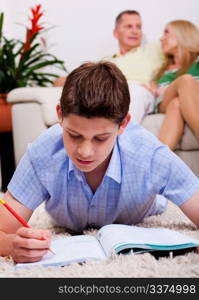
column 48, row 146
column 138, row 141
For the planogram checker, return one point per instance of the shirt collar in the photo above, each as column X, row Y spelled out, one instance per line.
column 70, row 167
column 114, row 168
column 130, row 51
column 73, row 169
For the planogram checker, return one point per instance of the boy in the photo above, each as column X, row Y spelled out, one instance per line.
column 94, row 168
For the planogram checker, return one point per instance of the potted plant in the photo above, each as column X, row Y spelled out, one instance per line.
column 23, row 63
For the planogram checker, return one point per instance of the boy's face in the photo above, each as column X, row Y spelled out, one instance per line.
column 89, row 142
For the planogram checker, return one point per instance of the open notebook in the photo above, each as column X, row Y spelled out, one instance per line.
column 113, row 239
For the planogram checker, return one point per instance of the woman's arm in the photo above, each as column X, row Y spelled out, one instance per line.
column 154, row 89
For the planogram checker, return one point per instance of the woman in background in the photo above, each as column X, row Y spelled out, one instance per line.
column 176, row 86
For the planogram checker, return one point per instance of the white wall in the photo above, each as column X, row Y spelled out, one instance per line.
column 83, row 28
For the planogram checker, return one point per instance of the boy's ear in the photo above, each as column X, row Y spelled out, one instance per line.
column 124, row 123
column 59, row 114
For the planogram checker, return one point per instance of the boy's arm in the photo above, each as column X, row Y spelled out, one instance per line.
column 23, row 244
column 9, row 223
column 191, row 208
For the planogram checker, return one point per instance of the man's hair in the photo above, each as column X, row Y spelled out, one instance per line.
column 128, row 12
column 96, row 90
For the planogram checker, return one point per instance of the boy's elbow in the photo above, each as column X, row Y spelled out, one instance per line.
column 191, row 208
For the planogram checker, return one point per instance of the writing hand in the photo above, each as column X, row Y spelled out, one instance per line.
column 30, row 245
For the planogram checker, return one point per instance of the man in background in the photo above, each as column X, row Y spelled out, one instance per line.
column 137, row 60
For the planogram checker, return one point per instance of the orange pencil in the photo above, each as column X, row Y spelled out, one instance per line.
column 22, row 221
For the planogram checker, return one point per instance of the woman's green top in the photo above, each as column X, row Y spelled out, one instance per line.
column 169, row 76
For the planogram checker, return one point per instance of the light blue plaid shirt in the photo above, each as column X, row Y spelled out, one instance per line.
column 139, row 169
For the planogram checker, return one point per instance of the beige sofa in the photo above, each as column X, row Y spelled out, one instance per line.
column 33, row 111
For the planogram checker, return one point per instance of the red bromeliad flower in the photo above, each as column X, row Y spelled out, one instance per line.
column 35, row 26
column 36, row 15
column 24, row 63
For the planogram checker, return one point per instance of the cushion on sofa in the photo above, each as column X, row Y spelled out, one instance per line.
column 47, row 97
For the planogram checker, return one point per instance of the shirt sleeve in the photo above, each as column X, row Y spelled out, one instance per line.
column 25, row 184
column 171, row 177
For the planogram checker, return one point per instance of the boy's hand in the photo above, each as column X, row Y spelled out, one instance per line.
column 30, row 245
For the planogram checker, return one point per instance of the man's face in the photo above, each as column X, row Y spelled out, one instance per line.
column 88, row 142
column 129, row 32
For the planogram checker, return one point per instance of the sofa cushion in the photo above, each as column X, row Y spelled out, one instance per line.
column 47, row 97
column 153, row 123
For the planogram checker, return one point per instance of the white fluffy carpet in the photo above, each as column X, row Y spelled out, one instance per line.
column 140, row 265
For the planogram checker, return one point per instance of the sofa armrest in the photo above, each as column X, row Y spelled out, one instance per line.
column 28, row 124
column 34, row 94
column 47, row 97
column 33, row 110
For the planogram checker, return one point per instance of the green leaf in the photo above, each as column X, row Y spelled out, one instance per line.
column 1, row 25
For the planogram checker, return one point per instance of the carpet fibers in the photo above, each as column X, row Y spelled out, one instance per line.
column 131, row 265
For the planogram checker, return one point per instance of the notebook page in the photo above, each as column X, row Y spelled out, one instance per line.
column 115, row 234
column 70, row 249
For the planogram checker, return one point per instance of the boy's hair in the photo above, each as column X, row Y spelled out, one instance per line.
column 96, row 90
column 125, row 12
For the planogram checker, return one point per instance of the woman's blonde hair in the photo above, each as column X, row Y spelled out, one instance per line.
column 187, row 35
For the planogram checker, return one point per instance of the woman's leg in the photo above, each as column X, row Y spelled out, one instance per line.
column 188, row 92
column 172, row 127
column 186, row 89
column 170, row 93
